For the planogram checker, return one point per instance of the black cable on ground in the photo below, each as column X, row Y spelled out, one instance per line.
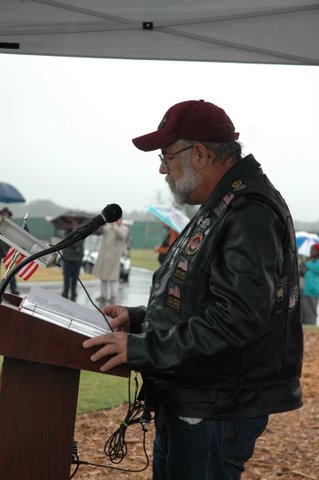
column 115, row 447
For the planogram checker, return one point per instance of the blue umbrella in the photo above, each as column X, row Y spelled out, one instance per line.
column 9, row 194
column 304, row 241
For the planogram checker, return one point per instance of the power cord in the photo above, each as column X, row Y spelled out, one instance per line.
column 75, row 458
column 87, row 293
column 115, row 447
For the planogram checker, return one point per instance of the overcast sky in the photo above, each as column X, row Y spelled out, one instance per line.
column 66, row 126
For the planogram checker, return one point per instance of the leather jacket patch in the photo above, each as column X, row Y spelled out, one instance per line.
column 294, row 296
column 194, row 243
column 182, row 268
column 174, row 297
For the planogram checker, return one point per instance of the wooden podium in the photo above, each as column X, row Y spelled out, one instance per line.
column 38, row 394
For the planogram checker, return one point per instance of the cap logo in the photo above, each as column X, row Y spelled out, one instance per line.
column 162, row 124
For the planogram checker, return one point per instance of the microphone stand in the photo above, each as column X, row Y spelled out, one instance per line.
column 55, row 248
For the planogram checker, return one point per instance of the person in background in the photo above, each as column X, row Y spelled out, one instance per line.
column 166, row 244
column 72, row 261
column 220, row 343
column 310, row 296
column 4, row 247
column 107, row 265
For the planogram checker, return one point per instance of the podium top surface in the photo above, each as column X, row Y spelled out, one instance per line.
column 26, row 337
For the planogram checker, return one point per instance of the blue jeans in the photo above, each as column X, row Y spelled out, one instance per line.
column 209, row 450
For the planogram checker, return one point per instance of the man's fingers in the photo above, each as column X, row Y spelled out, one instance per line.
column 114, row 345
column 118, row 321
column 100, row 340
column 110, row 349
column 112, row 363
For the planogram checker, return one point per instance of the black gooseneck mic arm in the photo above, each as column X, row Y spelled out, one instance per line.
column 111, row 213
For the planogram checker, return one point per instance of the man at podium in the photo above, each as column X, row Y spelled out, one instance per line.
column 219, row 345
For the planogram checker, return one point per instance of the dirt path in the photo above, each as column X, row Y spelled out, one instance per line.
column 288, row 449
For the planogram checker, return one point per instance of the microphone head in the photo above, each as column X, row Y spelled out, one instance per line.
column 112, row 212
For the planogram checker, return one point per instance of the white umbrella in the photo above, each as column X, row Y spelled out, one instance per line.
column 173, row 217
column 305, row 240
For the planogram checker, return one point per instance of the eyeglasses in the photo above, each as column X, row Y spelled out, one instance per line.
column 165, row 158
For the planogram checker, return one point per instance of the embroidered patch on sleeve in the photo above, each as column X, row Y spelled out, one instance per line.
column 281, row 289
column 182, row 268
column 238, row 185
column 294, row 296
column 222, row 206
column 194, row 244
column 174, row 296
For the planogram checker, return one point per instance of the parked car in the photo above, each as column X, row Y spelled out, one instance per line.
column 89, row 260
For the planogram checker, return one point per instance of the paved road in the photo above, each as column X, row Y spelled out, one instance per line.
column 133, row 293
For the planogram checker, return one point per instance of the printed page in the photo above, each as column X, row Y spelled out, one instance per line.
column 53, row 308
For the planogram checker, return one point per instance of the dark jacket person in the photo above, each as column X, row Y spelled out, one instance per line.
column 220, row 343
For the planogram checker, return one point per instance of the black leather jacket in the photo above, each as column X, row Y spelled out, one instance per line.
column 221, row 336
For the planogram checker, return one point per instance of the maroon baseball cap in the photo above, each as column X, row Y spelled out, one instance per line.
column 190, row 120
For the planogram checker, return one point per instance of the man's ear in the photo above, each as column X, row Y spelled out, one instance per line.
column 201, row 156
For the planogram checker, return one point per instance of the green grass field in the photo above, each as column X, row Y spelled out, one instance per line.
column 144, row 258
column 98, row 391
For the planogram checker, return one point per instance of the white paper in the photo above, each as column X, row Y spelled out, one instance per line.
column 53, row 308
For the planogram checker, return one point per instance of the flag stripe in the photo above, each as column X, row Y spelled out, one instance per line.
column 28, row 270
column 8, row 258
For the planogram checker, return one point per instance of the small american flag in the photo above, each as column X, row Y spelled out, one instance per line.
column 294, row 296
column 228, row 198
column 174, row 291
column 13, row 258
column 183, row 264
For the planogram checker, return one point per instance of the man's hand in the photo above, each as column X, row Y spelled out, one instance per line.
column 114, row 344
column 120, row 317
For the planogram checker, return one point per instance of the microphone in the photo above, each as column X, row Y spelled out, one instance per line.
column 111, row 213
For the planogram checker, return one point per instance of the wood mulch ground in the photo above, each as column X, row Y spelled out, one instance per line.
column 288, row 449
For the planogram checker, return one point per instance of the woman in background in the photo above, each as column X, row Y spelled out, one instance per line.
column 107, row 265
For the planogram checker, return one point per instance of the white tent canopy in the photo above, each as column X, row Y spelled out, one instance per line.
column 250, row 31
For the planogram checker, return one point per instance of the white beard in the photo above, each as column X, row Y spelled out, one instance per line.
column 182, row 188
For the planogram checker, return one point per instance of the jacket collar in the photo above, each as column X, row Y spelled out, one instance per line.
column 242, row 169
